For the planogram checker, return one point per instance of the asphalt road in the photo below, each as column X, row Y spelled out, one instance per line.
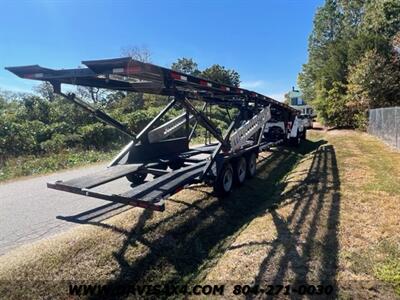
column 29, row 211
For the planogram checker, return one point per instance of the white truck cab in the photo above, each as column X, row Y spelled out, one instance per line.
column 307, row 120
column 275, row 131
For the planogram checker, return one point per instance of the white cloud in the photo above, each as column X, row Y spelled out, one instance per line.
column 252, row 84
column 263, row 87
column 277, row 96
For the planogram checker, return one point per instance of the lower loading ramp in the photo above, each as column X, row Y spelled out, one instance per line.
column 105, row 176
column 147, row 195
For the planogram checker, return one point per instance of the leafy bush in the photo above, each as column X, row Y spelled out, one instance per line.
column 97, row 135
column 55, row 145
column 30, row 164
column 353, row 64
column 138, row 119
column 15, row 138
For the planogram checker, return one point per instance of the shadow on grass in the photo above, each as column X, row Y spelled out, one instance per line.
column 97, row 214
column 183, row 244
column 305, row 250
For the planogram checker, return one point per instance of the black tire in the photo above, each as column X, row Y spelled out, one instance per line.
column 295, row 141
column 136, row 178
column 274, row 134
column 239, row 171
column 286, row 141
column 224, row 183
column 304, row 134
column 251, row 164
column 175, row 165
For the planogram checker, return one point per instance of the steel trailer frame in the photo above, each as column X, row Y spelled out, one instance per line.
column 170, row 160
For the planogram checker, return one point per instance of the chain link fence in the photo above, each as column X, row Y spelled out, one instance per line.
column 384, row 123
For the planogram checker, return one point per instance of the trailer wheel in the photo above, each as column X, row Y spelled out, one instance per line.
column 176, row 165
column 295, row 141
column 136, row 178
column 251, row 165
column 239, row 174
column 224, row 182
column 304, row 134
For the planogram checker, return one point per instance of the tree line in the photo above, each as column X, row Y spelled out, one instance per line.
column 45, row 123
column 353, row 60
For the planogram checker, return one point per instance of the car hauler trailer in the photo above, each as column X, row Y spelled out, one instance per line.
column 156, row 153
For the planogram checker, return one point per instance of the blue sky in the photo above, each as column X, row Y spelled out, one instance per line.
column 265, row 41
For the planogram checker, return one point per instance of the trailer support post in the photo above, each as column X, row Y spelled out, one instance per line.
column 197, row 122
column 102, row 116
column 220, row 146
column 121, row 154
column 126, row 149
column 158, row 117
column 203, row 120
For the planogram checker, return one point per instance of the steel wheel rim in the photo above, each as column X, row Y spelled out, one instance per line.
column 241, row 169
column 252, row 164
column 227, row 180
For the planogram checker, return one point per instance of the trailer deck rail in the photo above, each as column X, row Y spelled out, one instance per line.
column 160, row 153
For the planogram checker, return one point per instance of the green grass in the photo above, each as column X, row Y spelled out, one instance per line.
column 34, row 165
column 377, row 185
column 178, row 246
column 388, row 269
column 302, row 217
column 383, row 167
column 381, row 260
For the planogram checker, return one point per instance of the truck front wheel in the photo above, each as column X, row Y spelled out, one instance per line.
column 295, row 141
column 304, row 134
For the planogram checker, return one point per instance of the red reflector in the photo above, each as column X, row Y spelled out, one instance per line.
column 175, row 76
column 202, row 82
column 132, row 69
column 225, row 88
column 225, row 151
